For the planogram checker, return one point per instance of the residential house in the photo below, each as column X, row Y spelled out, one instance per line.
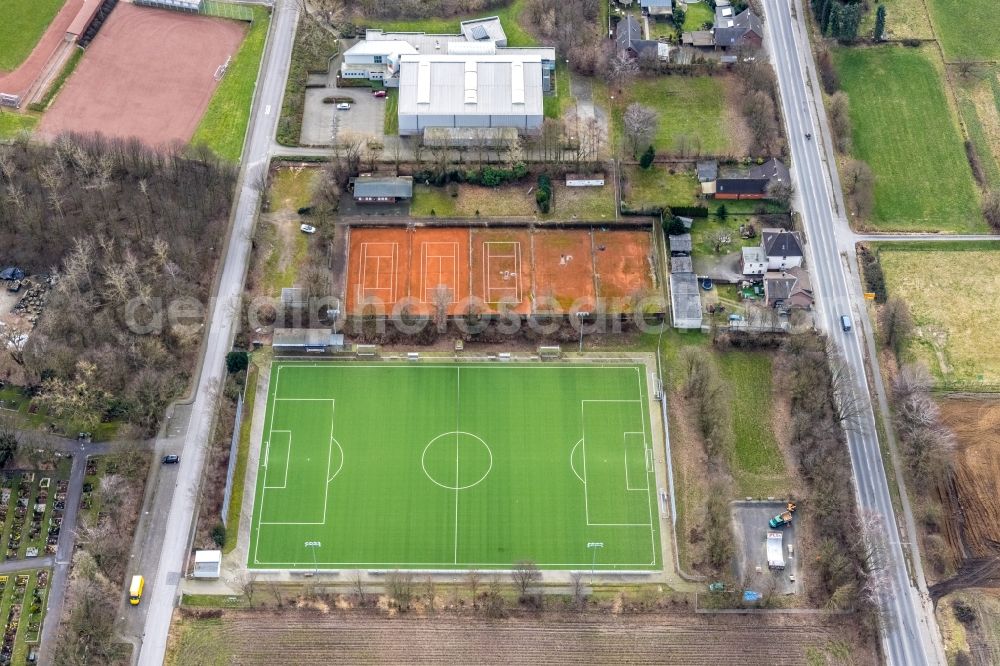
column 628, row 39
column 737, row 31
column 657, row 8
column 753, row 262
column 783, row 249
column 752, row 184
column 382, row 189
column 790, row 289
column 730, row 31
column 708, row 173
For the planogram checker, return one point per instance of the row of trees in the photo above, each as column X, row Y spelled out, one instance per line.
column 760, row 105
column 840, row 19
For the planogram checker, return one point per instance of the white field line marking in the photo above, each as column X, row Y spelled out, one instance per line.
column 617, row 364
column 488, row 270
column 426, row 288
column 363, row 290
column 329, row 458
column 586, row 485
column 288, row 457
column 628, row 484
column 415, row 565
column 651, row 496
column 458, row 407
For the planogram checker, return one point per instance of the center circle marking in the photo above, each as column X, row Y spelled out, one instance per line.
column 457, row 433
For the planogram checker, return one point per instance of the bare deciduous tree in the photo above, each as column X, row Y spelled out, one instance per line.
column 576, row 582
column 473, row 579
column 896, row 324
column 247, row 582
column 622, row 68
column 399, row 586
column 640, row 126
column 525, row 575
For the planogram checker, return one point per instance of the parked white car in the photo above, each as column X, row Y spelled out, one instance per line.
column 343, row 106
column 308, row 228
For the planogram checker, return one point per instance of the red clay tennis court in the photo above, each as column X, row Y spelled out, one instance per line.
column 149, row 73
column 515, row 269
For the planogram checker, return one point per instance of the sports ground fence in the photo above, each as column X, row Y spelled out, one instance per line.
column 234, row 447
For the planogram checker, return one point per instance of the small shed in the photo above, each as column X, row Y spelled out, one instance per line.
column 382, row 189
column 207, row 563
column 584, row 180
column 306, row 340
column 685, row 301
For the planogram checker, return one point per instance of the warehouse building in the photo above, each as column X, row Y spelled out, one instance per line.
column 500, row 90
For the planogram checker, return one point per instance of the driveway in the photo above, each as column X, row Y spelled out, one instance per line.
column 750, row 530
column 323, row 124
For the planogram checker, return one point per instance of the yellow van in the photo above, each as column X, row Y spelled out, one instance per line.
column 135, row 590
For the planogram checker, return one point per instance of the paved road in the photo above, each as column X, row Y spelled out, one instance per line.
column 161, row 590
column 909, row 633
column 924, row 237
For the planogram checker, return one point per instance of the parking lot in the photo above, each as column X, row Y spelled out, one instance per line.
column 323, row 124
column 750, row 528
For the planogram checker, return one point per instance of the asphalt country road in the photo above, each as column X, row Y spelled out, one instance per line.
column 909, row 633
column 162, row 583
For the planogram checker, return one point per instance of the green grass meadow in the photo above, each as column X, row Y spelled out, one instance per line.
column 510, row 18
column 22, row 24
column 12, row 123
column 224, row 125
column 966, row 30
column 694, row 106
column 453, row 466
column 904, row 129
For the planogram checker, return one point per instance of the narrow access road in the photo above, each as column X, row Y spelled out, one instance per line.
column 908, row 629
column 162, row 582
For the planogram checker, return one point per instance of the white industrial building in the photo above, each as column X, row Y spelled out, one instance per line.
column 377, row 56
column 498, row 90
column 193, row 6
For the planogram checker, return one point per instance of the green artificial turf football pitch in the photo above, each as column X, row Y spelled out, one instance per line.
column 455, row 466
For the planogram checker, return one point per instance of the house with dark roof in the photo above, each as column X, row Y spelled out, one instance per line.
column 735, row 31
column 751, row 184
column 657, row 8
column 782, row 248
column 628, row 39
column 382, row 189
column 786, row 290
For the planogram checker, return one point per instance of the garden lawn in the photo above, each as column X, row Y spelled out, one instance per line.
column 904, row 129
column 390, row 125
column 509, row 18
column 473, row 201
column 224, row 125
column 966, row 30
column 698, row 13
column 951, row 289
column 691, row 106
column 12, row 124
column 756, row 461
column 292, row 188
column 582, row 203
column 22, row 24
column 656, row 186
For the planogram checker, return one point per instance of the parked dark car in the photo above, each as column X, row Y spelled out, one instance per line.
column 172, row 459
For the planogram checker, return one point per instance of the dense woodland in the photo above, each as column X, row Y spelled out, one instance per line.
column 126, row 232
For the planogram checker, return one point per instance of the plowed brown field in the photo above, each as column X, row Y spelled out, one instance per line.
column 976, row 424
column 359, row 638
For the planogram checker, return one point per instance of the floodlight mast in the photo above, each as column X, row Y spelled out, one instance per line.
column 594, row 545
